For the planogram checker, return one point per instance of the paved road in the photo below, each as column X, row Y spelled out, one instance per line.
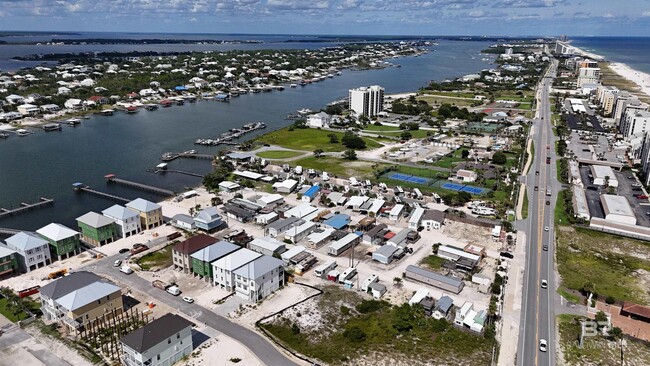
column 538, row 315
column 259, row 345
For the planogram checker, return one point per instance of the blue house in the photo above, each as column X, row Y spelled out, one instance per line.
column 208, row 219
column 338, row 221
column 310, row 194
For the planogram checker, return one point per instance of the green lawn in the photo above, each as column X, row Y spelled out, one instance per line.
column 308, row 139
column 561, row 217
column 524, row 208
column 159, row 258
column 8, row 314
column 278, row 154
column 433, row 262
column 611, row 263
column 391, row 131
column 341, row 167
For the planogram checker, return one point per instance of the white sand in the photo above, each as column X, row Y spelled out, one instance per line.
column 219, row 350
column 640, row 78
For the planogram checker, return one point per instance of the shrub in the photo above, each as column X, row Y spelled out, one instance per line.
column 355, row 334
column 370, row 306
column 610, row 300
column 345, row 310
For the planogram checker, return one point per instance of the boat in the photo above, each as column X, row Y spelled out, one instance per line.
column 294, row 85
column 279, row 87
column 52, row 127
column 166, row 103
column 22, row 132
column 73, row 121
column 169, row 156
column 304, row 111
column 106, row 112
column 131, row 110
column 180, row 102
column 150, row 107
column 4, row 135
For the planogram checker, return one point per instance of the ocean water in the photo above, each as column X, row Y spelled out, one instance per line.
column 47, row 163
column 633, row 51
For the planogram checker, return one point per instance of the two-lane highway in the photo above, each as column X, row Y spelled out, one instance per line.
column 538, row 317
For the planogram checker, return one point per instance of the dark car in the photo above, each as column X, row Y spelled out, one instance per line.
column 545, row 247
column 124, row 250
column 507, row 255
column 537, row 172
column 548, row 203
column 536, row 188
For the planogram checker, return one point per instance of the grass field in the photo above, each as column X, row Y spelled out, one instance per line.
column 561, row 217
column 373, row 331
column 308, row 139
column 460, row 102
column 524, row 207
column 618, row 266
column 596, row 350
column 159, row 258
column 278, row 154
column 341, row 167
column 433, row 262
column 8, row 314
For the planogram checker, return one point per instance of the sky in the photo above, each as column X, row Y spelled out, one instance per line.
column 367, row 17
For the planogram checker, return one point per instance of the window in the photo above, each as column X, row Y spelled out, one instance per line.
column 158, row 358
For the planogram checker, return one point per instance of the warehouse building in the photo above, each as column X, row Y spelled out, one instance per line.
column 617, row 209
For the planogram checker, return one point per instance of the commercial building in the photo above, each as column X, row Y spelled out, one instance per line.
column 32, row 251
column 97, row 229
column 79, row 299
column 588, row 75
column 367, row 101
column 202, row 259
column 162, row 342
column 259, row 278
column 151, row 215
column 645, row 159
column 603, row 175
column 127, row 220
column 64, row 242
column 182, row 251
column 617, row 209
column 634, row 121
column 445, row 283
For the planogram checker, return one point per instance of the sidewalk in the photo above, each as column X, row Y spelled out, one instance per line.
column 511, row 314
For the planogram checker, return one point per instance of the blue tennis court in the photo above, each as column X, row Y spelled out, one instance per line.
column 408, row 178
column 462, row 188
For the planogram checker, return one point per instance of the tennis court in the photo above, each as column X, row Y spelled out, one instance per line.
column 409, row 178
column 462, row 188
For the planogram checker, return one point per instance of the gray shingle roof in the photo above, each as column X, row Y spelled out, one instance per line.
column 25, row 241
column 93, row 219
column 215, row 251
column 259, row 267
column 148, row 336
column 68, row 284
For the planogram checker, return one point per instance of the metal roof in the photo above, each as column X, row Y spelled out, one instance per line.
column 338, row 221
column 236, row 259
column 434, row 276
column 121, row 213
column 93, row 219
column 56, row 232
column 142, row 205
column 86, row 295
column 259, row 267
column 25, row 241
column 215, row 251
column 68, row 284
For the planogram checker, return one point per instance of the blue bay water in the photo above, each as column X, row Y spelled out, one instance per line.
column 47, row 163
column 633, row 51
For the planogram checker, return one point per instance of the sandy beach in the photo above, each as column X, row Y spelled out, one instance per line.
column 640, row 78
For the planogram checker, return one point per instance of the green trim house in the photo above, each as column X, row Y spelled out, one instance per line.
column 8, row 261
column 202, row 259
column 97, row 229
column 64, row 242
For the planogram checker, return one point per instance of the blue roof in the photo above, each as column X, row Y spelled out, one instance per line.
column 311, row 192
column 180, row 88
column 338, row 221
column 222, row 96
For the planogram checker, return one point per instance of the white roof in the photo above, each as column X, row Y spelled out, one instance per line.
column 259, row 267
column 292, row 252
column 617, row 205
column 396, row 210
column 601, row 171
column 248, row 174
column 417, row 215
column 376, row 205
column 300, row 229
column 228, row 184
column 25, row 241
column 93, row 219
column 420, row 294
column 86, row 295
column 356, row 201
column 56, row 232
column 267, row 243
column 235, row 260
column 121, row 213
column 5, row 251
column 142, row 205
column 287, row 183
column 300, row 211
column 458, row 252
column 271, row 198
column 343, row 241
column 319, row 237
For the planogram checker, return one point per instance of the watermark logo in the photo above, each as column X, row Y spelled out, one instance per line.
column 590, row 327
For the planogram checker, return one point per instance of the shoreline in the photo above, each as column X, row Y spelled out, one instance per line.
column 641, row 79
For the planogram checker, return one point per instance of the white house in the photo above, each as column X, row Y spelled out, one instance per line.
column 28, row 110
column 185, row 222
column 162, row 342
column 33, row 251
column 319, row 120
column 416, row 218
column 285, row 186
column 433, row 219
column 127, row 220
column 466, row 175
column 257, row 279
column 396, row 212
column 223, row 268
column 73, row 104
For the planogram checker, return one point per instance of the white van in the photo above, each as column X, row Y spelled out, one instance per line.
column 126, row 269
column 325, row 176
column 174, row 290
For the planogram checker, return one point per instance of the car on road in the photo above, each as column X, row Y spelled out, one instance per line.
column 548, row 147
column 642, row 197
column 548, row 203
column 543, row 346
column 536, row 188
column 630, row 177
column 545, row 247
column 188, row 299
column 636, row 189
column 636, row 184
column 124, row 250
column 117, row 263
column 545, row 228
column 536, row 172
column 544, row 284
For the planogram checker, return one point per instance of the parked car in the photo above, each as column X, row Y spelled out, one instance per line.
column 636, row 184
column 536, row 188
column 117, row 263
column 507, row 255
column 545, row 228
column 124, row 250
column 642, row 197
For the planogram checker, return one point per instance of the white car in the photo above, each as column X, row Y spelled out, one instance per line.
column 545, row 228
column 117, row 263
column 544, row 284
column 188, row 299
column 543, row 346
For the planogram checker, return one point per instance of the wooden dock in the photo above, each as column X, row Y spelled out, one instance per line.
column 25, row 207
column 80, row 187
column 181, row 172
column 111, row 178
column 8, row 232
column 167, row 157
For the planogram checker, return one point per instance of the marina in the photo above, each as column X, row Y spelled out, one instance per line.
column 233, row 133
column 25, row 207
column 112, row 178
column 80, row 187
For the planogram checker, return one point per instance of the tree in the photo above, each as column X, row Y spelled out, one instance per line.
column 616, row 333
column 499, row 158
column 318, row 153
column 350, row 154
column 295, row 329
column 352, row 141
column 464, row 154
column 406, row 135
column 397, row 281
column 334, row 139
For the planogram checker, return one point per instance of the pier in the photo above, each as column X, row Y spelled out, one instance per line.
column 25, row 207
column 170, row 156
column 8, row 232
column 80, row 187
column 181, row 172
column 111, row 178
